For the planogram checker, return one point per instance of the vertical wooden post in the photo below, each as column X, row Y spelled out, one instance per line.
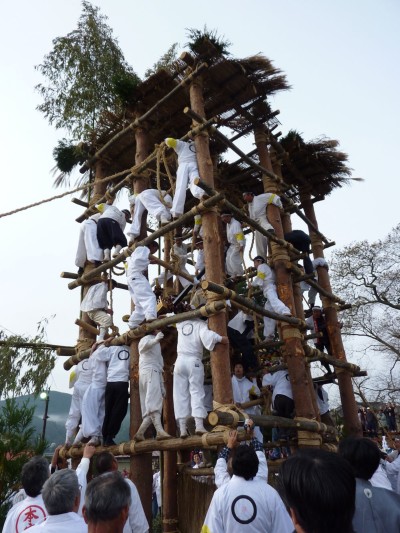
column 351, row 421
column 170, row 480
column 220, row 363
column 299, row 375
column 140, row 465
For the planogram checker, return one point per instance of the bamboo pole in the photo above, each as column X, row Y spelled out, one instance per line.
column 66, row 350
column 199, row 209
column 208, row 440
column 248, row 304
column 225, row 418
column 87, row 327
column 38, row 345
column 72, row 275
column 144, row 329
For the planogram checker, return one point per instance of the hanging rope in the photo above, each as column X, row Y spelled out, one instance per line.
column 170, row 177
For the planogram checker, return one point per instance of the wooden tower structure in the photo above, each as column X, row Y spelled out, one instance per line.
column 217, row 102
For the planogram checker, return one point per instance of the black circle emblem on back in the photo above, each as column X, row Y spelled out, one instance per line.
column 241, row 511
column 123, row 355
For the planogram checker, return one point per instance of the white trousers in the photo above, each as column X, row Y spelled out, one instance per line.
column 151, row 390
column 88, row 245
column 93, row 411
column 75, row 409
column 188, row 390
column 100, row 317
column 234, row 266
column 274, row 304
column 261, row 240
column 143, row 298
column 154, row 207
column 186, row 174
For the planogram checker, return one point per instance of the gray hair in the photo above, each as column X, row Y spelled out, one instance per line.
column 106, row 496
column 33, row 475
column 60, row 491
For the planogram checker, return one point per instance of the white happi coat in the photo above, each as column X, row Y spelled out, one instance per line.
column 25, row 514
column 93, row 401
column 80, row 382
column 95, row 298
column 280, row 382
column 186, row 174
column 139, row 287
column 188, row 391
column 137, row 522
column 234, row 258
column 241, row 389
column 150, row 200
column 111, row 211
column 241, row 506
column 258, row 212
column 266, row 280
column 151, row 386
column 88, row 245
column 62, row 523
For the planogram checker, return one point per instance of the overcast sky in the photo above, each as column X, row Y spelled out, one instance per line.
column 341, row 59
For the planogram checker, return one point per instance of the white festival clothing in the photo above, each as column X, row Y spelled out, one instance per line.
column 188, row 388
column 95, row 298
column 83, row 379
column 241, row 506
column 238, row 322
column 186, row 174
column 25, row 514
column 257, row 211
column 150, row 200
column 137, row 522
column 93, row 408
column 117, row 360
column 200, row 264
column 88, row 245
column 111, row 211
column 241, row 389
column 280, row 382
column 61, row 523
column 139, row 287
column 323, row 405
column 182, row 254
column 151, row 387
column 393, row 473
column 380, row 478
column 157, row 487
column 234, row 259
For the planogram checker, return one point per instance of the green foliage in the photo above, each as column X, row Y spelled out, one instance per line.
column 125, row 84
column 80, row 73
column 200, row 42
column 67, row 155
column 166, row 61
column 17, row 445
column 24, row 370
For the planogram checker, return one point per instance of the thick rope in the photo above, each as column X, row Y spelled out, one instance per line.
column 58, row 196
column 167, row 170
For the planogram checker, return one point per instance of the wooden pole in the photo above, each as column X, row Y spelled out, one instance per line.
column 351, row 420
column 135, row 449
column 225, row 418
column 214, row 262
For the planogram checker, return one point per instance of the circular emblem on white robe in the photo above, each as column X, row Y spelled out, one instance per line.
column 123, row 355
column 244, row 509
column 187, row 329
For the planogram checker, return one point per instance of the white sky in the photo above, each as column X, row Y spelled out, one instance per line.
column 340, row 58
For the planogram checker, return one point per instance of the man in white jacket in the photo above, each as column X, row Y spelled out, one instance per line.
column 139, row 287
column 157, row 203
column 186, row 174
column 236, row 241
column 151, row 386
column 188, row 390
column 80, row 379
column 258, row 212
column 110, row 229
column 95, row 304
column 88, row 245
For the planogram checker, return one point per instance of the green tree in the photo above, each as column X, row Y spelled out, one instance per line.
column 367, row 275
column 25, row 363
column 83, row 73
column 17, row 445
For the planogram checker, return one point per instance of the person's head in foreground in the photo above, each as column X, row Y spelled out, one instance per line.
column 107, row 502
column 245, row 463
column 61, row 493
column 319, row 489
column 362, row 454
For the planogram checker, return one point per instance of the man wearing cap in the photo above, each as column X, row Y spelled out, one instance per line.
column 142, row 296
column 110, row 229
column 235, row 238
column 188, row 391
column 258, row 212
column 156, row 202
column 265, row 279
column 186, row 174
column 96, row 306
